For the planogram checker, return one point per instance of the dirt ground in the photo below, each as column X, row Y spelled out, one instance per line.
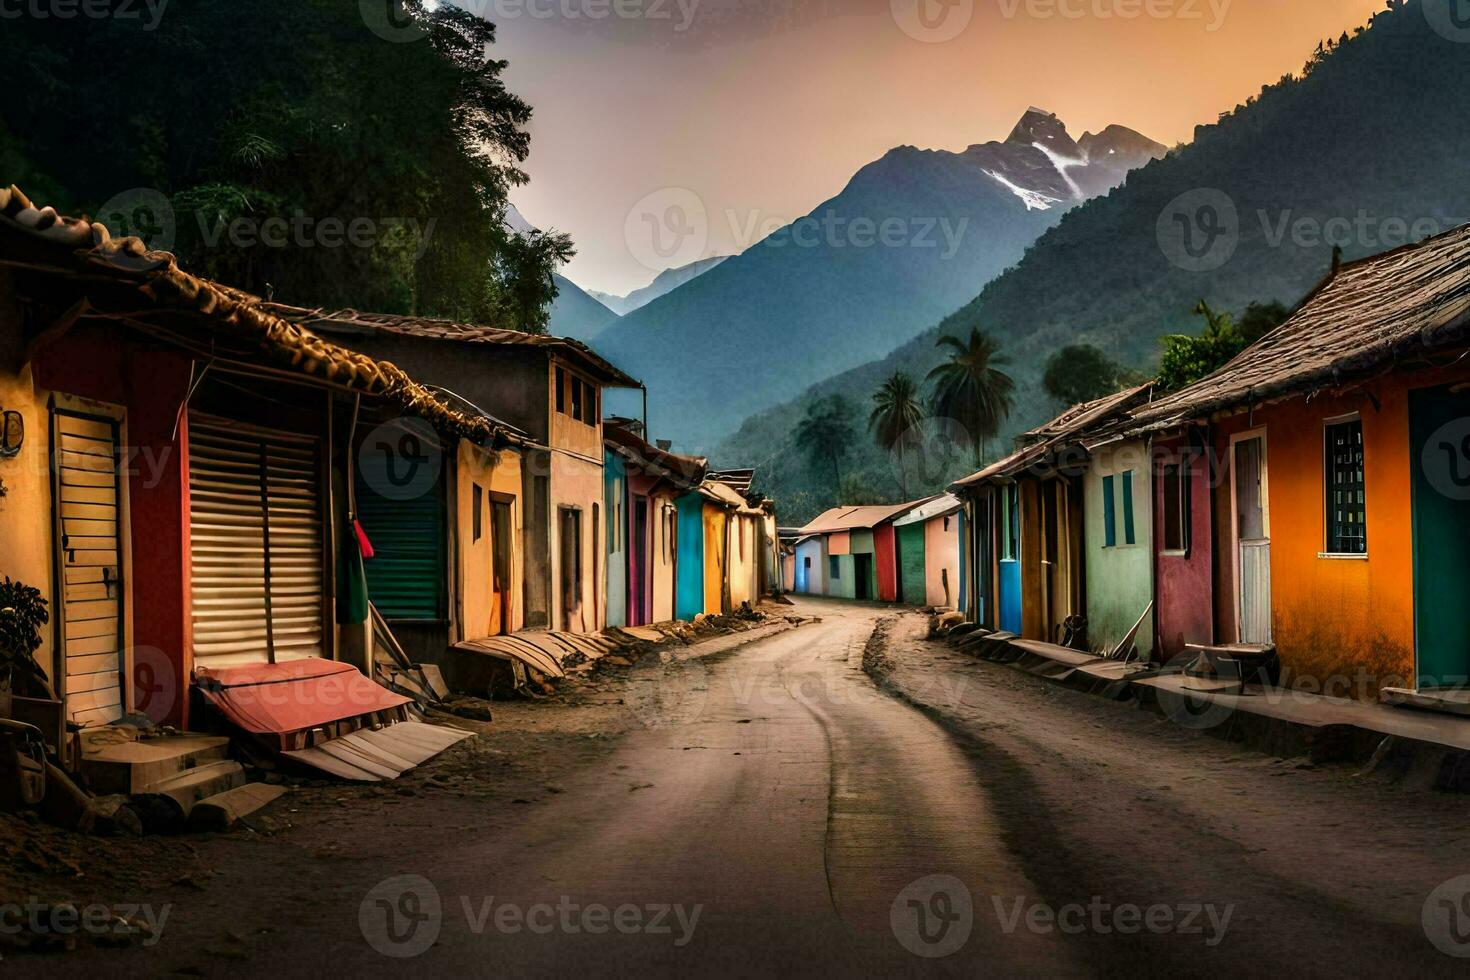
column 1329, row 869
column 483, row 785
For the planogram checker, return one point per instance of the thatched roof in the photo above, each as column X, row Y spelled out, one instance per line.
column 1363, row 320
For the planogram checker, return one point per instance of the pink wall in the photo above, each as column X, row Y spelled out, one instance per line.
column 1184, row 584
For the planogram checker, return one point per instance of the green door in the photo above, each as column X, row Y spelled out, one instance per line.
column 1439, row 445
column 911, row 564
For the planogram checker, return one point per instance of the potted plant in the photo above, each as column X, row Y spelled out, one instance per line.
column 22, row 614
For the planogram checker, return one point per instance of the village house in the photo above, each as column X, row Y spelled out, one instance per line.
column 549, row 389
column 851, row 553
column 931, row 556
column 644, row 482
column 1337, row 455
column 179, row 491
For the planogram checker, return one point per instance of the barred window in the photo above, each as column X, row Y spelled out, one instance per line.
column 1347, row 522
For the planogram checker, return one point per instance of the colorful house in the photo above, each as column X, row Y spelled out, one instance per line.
column 646, row 566
column 690, row 565
column 859, row 549
column 191, row 458
column 550, row 389
column 1118, row 546
column 931, row 554
column 1340, row 465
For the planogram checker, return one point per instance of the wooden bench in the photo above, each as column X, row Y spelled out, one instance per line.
column 1239, row 662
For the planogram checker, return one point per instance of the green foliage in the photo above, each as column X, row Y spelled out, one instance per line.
column 895, row 420
column 1080, row 373
column 1260, row 319
column 290, row 120
column 1188, row 358
column 972, row 389
column 827, row 433
column 22, row 614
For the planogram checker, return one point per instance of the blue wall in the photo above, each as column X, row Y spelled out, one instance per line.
column 1010, row 596
column 689, row 588
column 615, row 507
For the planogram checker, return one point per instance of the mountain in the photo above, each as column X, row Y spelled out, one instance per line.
column 1350, row 152
column 662, row 283
column 575, row 313
column 912, row 236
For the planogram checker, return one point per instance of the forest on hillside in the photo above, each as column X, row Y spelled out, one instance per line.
column 1363, row 149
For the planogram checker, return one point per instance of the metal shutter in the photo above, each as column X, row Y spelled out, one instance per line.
column 407, row 572
column 89, row 567
column 256, row 543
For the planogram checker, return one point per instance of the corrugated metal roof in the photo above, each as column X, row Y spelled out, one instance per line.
column 1370, row 314
column 855, row 518
column 946, row 503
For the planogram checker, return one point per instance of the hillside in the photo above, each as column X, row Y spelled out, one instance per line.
column 1355, row 151
column 830, row 292
column 664, row 282
column 575, row 313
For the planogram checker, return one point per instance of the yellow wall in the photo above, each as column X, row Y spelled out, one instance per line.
column 25, row 510
column 715, row 540
column 664, row 556
column 743, row 537
column 566, row 432
column 497, row 473
column 576, row 482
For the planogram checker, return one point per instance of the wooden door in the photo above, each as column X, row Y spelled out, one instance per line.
column 1252, row 539
column 89, row 565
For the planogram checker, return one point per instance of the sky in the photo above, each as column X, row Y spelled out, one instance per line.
column 742, row 115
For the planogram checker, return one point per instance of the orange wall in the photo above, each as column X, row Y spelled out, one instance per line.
column 1345, row 624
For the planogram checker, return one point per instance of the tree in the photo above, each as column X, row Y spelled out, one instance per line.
column 1080, row 373
column 1260, row 319
column 1188, row 358
column 971, row 389
column 326, row 153
column 894, row 422
column 826, row 434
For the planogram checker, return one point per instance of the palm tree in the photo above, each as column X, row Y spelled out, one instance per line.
column 895, row 421
column 971, row 389
column 826, row 434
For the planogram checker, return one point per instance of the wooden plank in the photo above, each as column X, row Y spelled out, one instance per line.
column 76, row 612
column 221, row 810
column 84, row 683
column 94, row 700
column 76, row 556
column 92, row 664
column 92, row 627
column 89, row 646
column 89, row 463
column 76, row 477
column 75, row 576
column 94, row 718
column 88, row 512
column 83, row 591
column 88, row 428
column 87, row 446
column 77, row 528
column 89, row 495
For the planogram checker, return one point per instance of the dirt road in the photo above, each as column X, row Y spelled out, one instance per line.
column 769, row 809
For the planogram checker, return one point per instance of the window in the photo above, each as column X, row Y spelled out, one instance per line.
column 561, row 390
column 807, row 563
column 577, row 400
column 834, row 567
column 1347, row 522
column 500, row 542
column 477, row 501
column 1128, row 537
column 1175, row 489
column 1110, row 523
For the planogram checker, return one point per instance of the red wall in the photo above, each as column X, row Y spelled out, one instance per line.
column 1184, row 583
column 98, row 363
column 886, row 560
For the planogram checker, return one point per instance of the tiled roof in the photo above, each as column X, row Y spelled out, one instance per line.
column 683, row 471
column 857, row 518
column 358, row 323
column 1369, row 315
column 121, row 279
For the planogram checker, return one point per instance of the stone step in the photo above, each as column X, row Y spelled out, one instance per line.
column 200, row 783
column 136, row 766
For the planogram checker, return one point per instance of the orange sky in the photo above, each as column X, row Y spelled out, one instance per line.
column 762, row 121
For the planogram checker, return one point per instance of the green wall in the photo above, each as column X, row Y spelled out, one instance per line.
column 913, row 589
column 1119, row 576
